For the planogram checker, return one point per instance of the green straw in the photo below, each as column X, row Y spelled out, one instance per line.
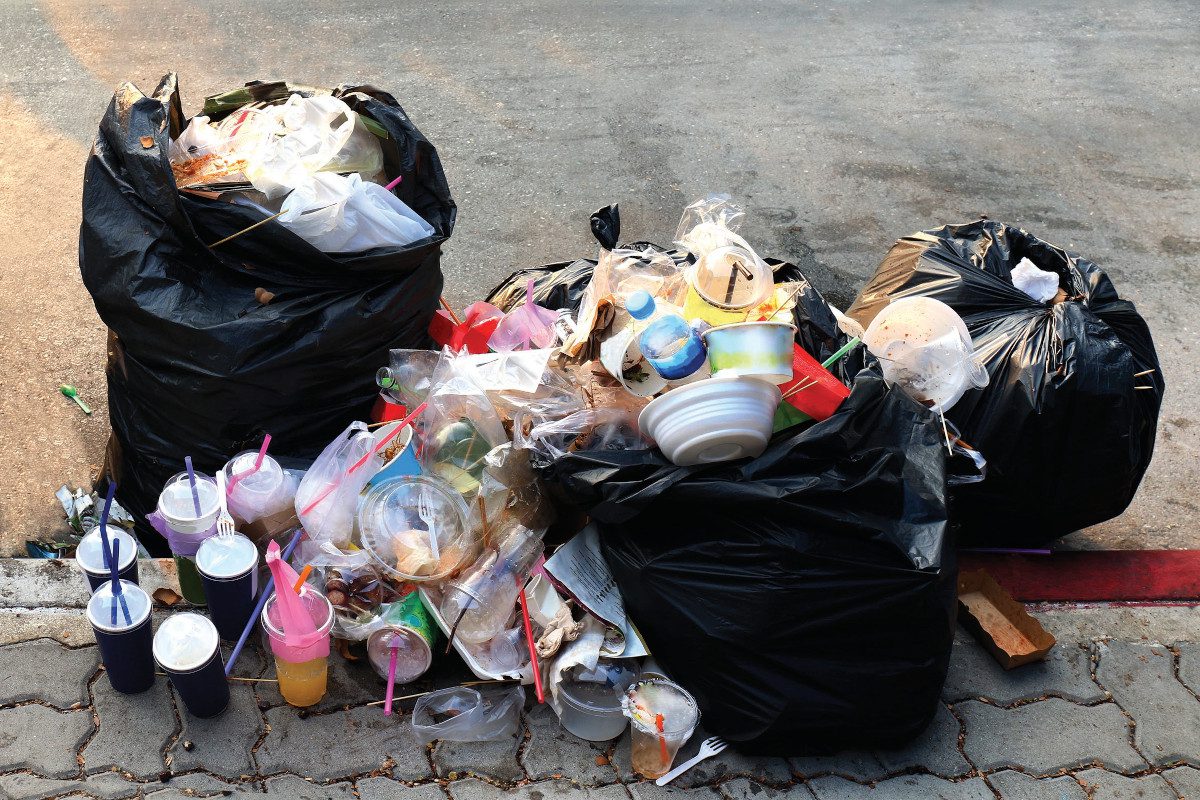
column 841, row 352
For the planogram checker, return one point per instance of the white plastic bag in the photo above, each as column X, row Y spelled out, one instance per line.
column 327, row 498
column 1039, row 284
column 309, row 133
column 337, row 214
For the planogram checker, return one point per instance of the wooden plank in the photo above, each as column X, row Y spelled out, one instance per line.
column 1093, row 575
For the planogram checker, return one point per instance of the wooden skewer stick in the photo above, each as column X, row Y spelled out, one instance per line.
column 246, row 230
column 1143, row 388
column 450, row 311
column 807, row 383
column 1143, row 372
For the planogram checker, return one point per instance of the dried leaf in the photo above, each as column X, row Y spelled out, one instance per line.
column 168, row 597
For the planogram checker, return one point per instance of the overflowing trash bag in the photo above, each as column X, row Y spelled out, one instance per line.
column 806, row 598
column 224, row 322
column 1068, row 416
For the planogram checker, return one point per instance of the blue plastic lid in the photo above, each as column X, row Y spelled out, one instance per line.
column 640, row 305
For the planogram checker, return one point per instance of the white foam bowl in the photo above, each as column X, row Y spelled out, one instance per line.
column 721, row 419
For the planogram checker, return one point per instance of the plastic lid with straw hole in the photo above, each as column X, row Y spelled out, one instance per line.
column 90, row 552
column 177, row 505
column 185, row 642
column 100, row 607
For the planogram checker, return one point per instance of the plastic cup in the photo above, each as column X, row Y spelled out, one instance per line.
column 390, row 527
column 302, row 670
column 228, row 567
column 91, row 558
column 409, row 630
column 591, row 702
column 125, row 644
column 186, row 529
column 760, row 350
column 724, row 283
column 258, row 493
column 189, row 651
column 654, row 750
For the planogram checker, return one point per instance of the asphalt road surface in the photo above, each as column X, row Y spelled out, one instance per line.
column 841, row 127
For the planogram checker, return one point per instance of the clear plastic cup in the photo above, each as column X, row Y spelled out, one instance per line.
column 653, row 747
column 302, row 668
column 256, row 493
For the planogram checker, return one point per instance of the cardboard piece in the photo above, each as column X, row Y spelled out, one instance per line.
column 1001, row 624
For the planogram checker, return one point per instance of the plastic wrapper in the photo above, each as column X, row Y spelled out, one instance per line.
column 344, row 214
column 584, row 431
column 354, row 586
column 1066, row 434
column 846, row 522
column 710, row 223
column 306, row 134
column 510, row 490
column 327, row 498
column 526, row 327
column 198, row 364
column 463, row 714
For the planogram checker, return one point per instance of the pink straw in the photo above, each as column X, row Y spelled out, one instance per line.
column 382, row 443
column 391, row 684
column 262, row 452
column 394, row 183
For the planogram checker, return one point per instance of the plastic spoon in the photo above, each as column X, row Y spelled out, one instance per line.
column 73, row 393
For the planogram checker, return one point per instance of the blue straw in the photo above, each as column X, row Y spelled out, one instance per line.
column 116, row 584
column 192, row 480
column 112, row 489
column 268, row 589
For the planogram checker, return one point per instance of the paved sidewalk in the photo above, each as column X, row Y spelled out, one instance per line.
column 1106, row 719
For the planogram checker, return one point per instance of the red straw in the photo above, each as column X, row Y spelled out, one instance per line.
column 382, row 443
column 262, row 452
column 394, row 183
column 537, row 670
column 662, row 739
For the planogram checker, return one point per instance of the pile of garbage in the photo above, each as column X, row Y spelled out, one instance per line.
column 662, row 484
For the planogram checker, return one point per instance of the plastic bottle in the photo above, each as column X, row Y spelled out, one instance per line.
column 669, row 344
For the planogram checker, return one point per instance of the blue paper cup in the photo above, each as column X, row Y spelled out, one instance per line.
column 228, row 566
column 188, row 649
column 123, row 633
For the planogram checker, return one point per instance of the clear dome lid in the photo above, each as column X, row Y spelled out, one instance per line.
column 177, row 503
column 733, row 277
column 108, row 613
column 243, row 477
column 185, row 642
column 648, row 698
column 90, row 552
column 415, row 526
column 413, row 654
column 226, row 556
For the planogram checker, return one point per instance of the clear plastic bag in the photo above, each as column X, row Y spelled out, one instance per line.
column 526, row 327
column 307, row 133
column 601, row 429
column 463, row 714
column 328, row 495
column 361, row 153
column 408, row 376
column 343, row 214
column 354, row 586
column 709, row 223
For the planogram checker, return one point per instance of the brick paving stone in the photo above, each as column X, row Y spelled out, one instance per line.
column 134, row 729
column 388, row 789
column 351, row 683
column 1048, row 736
column 856, row 764
column 905, row 787
column 649, row 790
column 1186, row 781
column 200, row 784
column 220, row 744
column 746, row 789
column 935, row 750
column 497, row 760
column 105, row 786
column 43, row 740
column 1066, row 673
column 1189, row 665
column 728, row 762
column 290, row 786
column 474, row 789
column 340, row 744
column 45, row 670
column 1142, row 680
column 1019, row 786
column 553, row 752
column 1102, row 785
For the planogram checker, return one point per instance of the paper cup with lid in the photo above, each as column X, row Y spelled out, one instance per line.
column 188, row 649
column 416, row 527
column 93, row 560
column 123, row 632
column 184, row 529
column 228, row 566
column 256, row 493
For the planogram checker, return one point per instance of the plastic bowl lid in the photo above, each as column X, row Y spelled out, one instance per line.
column 391, row 529
column 90, row 552
column 176, row 503
column 652, row 696
column 733, row 277
column 226, row 556
column 185, row 642
column 591, row 697
column 263, row 481
column 99, row 608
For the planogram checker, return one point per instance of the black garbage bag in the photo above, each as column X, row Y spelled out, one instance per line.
column 198, row 365
column 1066, row 436
column 805, row 597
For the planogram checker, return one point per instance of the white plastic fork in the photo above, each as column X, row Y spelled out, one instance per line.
column 426, row 515
column 224, row 522
column 708, row 748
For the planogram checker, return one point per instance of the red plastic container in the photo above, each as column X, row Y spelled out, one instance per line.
column 820, row 399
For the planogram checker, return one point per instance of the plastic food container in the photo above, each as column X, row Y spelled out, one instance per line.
column 591, row 702
column 392, row 528
column 752, row 349
column 721, row 419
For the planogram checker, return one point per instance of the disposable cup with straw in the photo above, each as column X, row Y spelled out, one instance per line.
column 187, row 512
column 663, row 716
column 95, row 548
column 257, row 485
column 297, row 625
column 119, row 613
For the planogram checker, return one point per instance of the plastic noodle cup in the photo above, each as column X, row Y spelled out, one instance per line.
column 752, row 349
column 188, row 649
column 653, row 751
column 721, row 419
column 90, row 557
column 390, row 527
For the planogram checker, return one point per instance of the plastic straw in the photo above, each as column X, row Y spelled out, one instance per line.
column 537, row 670
column 262, row 452
column 304, row 573
column 262, row 601
column 841, row 352
column 457, row 321
column 382, row 443
column 118, row 595
column 395, row 182
column 112, row 490
column 660, row 723
column 187, row 460
column 391, row 682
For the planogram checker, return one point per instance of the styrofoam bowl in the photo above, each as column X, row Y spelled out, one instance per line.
column 721, row 419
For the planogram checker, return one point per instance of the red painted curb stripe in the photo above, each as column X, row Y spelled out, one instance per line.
column 1093, row 575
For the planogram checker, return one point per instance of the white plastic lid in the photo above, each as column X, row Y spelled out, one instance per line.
column 733, row 277
column 653, row 696
column 391, row 529
column 224, row 557
column 185, row 642
column 90, row 552
column 177, row 504
column 263, row 481
column 100, row 607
